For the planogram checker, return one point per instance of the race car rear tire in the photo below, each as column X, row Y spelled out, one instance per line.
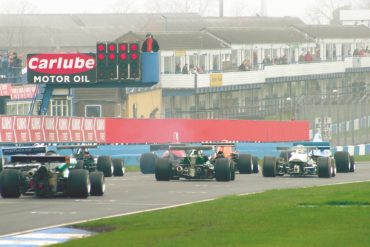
column 117, row 167
column 97, row 182
column 269, row 166
column 105, row 165
column 324, row 167
column 9, row 183
column 163, row 169
column 255, row 164
column 334, row 167
column 147, row 163
column 342, row 159
column 232, row 171
column 222, row 169
column 353, row 165
column 245, row 164
column 78, row 183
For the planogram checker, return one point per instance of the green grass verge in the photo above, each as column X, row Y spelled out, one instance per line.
column 132, row 168
column 362, row 158
column 319, row 216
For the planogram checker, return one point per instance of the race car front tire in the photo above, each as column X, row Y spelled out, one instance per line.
column 105, row 165
column 245, row 164
column 97, row 182
column 255, row 164
column 147, row 163
column 117, row 167
column 269, row 166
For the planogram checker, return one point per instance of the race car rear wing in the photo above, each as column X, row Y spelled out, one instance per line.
column 156, row 147
column 220, row 144
column 203, row 147
column 318, row 145
column 38, row 158
column 24, row 150
column 76, row 146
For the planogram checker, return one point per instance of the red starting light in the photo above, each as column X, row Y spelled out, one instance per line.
column 134, row 56
column 101, row 56
column 134, row 47
column 101, row 47
column 112, row 56
column 123, row 47
column 112, row 47
column 123, row 56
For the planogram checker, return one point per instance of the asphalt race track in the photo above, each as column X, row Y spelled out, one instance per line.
column 136, row 192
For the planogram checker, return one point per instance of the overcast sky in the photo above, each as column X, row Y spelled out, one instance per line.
column 274, row 7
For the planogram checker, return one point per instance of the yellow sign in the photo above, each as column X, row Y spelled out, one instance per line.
column 180, row 53
column 215, row 80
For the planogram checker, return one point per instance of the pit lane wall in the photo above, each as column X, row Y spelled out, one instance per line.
column 46, row 129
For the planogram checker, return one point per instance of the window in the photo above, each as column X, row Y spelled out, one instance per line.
column 92, row 110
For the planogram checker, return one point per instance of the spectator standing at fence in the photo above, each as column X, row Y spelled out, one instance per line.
column 178, row 68
column 308, row 57
column 185, row 69
column 150, row 44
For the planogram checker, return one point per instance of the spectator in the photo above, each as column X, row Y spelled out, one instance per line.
column 185, row 69
column 200, row 70
column 308, row 57
column 150, row 44
column 178, row 68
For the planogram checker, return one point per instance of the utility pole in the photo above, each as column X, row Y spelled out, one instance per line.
column 221, row 8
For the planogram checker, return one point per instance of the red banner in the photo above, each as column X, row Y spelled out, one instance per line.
column 99, row 127
column 36, row 130
column 76, row 129
column 63, row 129
column 21, row 129
column 50, row 129
column 162, row 130
column 6, row 129
column 88, row 130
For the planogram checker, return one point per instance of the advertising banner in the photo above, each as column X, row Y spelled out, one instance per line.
column 6, row 129
column 64, row 134
column 50, row 129
column 88, row 130
column 76, row 129
column 99, row 127
column 36, row 130
column 21, row 129
column 61, row 68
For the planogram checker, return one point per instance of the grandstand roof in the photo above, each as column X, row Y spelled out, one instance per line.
column 335, row 31
column 259, row 35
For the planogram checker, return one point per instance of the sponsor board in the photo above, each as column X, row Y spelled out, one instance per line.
column 38, row 129
column 61, row 68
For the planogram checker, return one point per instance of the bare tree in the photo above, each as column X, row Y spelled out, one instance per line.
column 321, row 11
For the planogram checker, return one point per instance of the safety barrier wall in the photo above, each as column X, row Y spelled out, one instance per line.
column 188, row 130
column 46, row 129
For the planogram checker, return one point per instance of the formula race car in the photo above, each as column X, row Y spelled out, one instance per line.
column 195, row 165
column 85, row 160
column 47, row 175
column 148, row 160
column 244, row 163
column 305, row 158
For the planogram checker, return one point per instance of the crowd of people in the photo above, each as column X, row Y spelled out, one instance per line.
column 10, row 66
column 191, row 69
